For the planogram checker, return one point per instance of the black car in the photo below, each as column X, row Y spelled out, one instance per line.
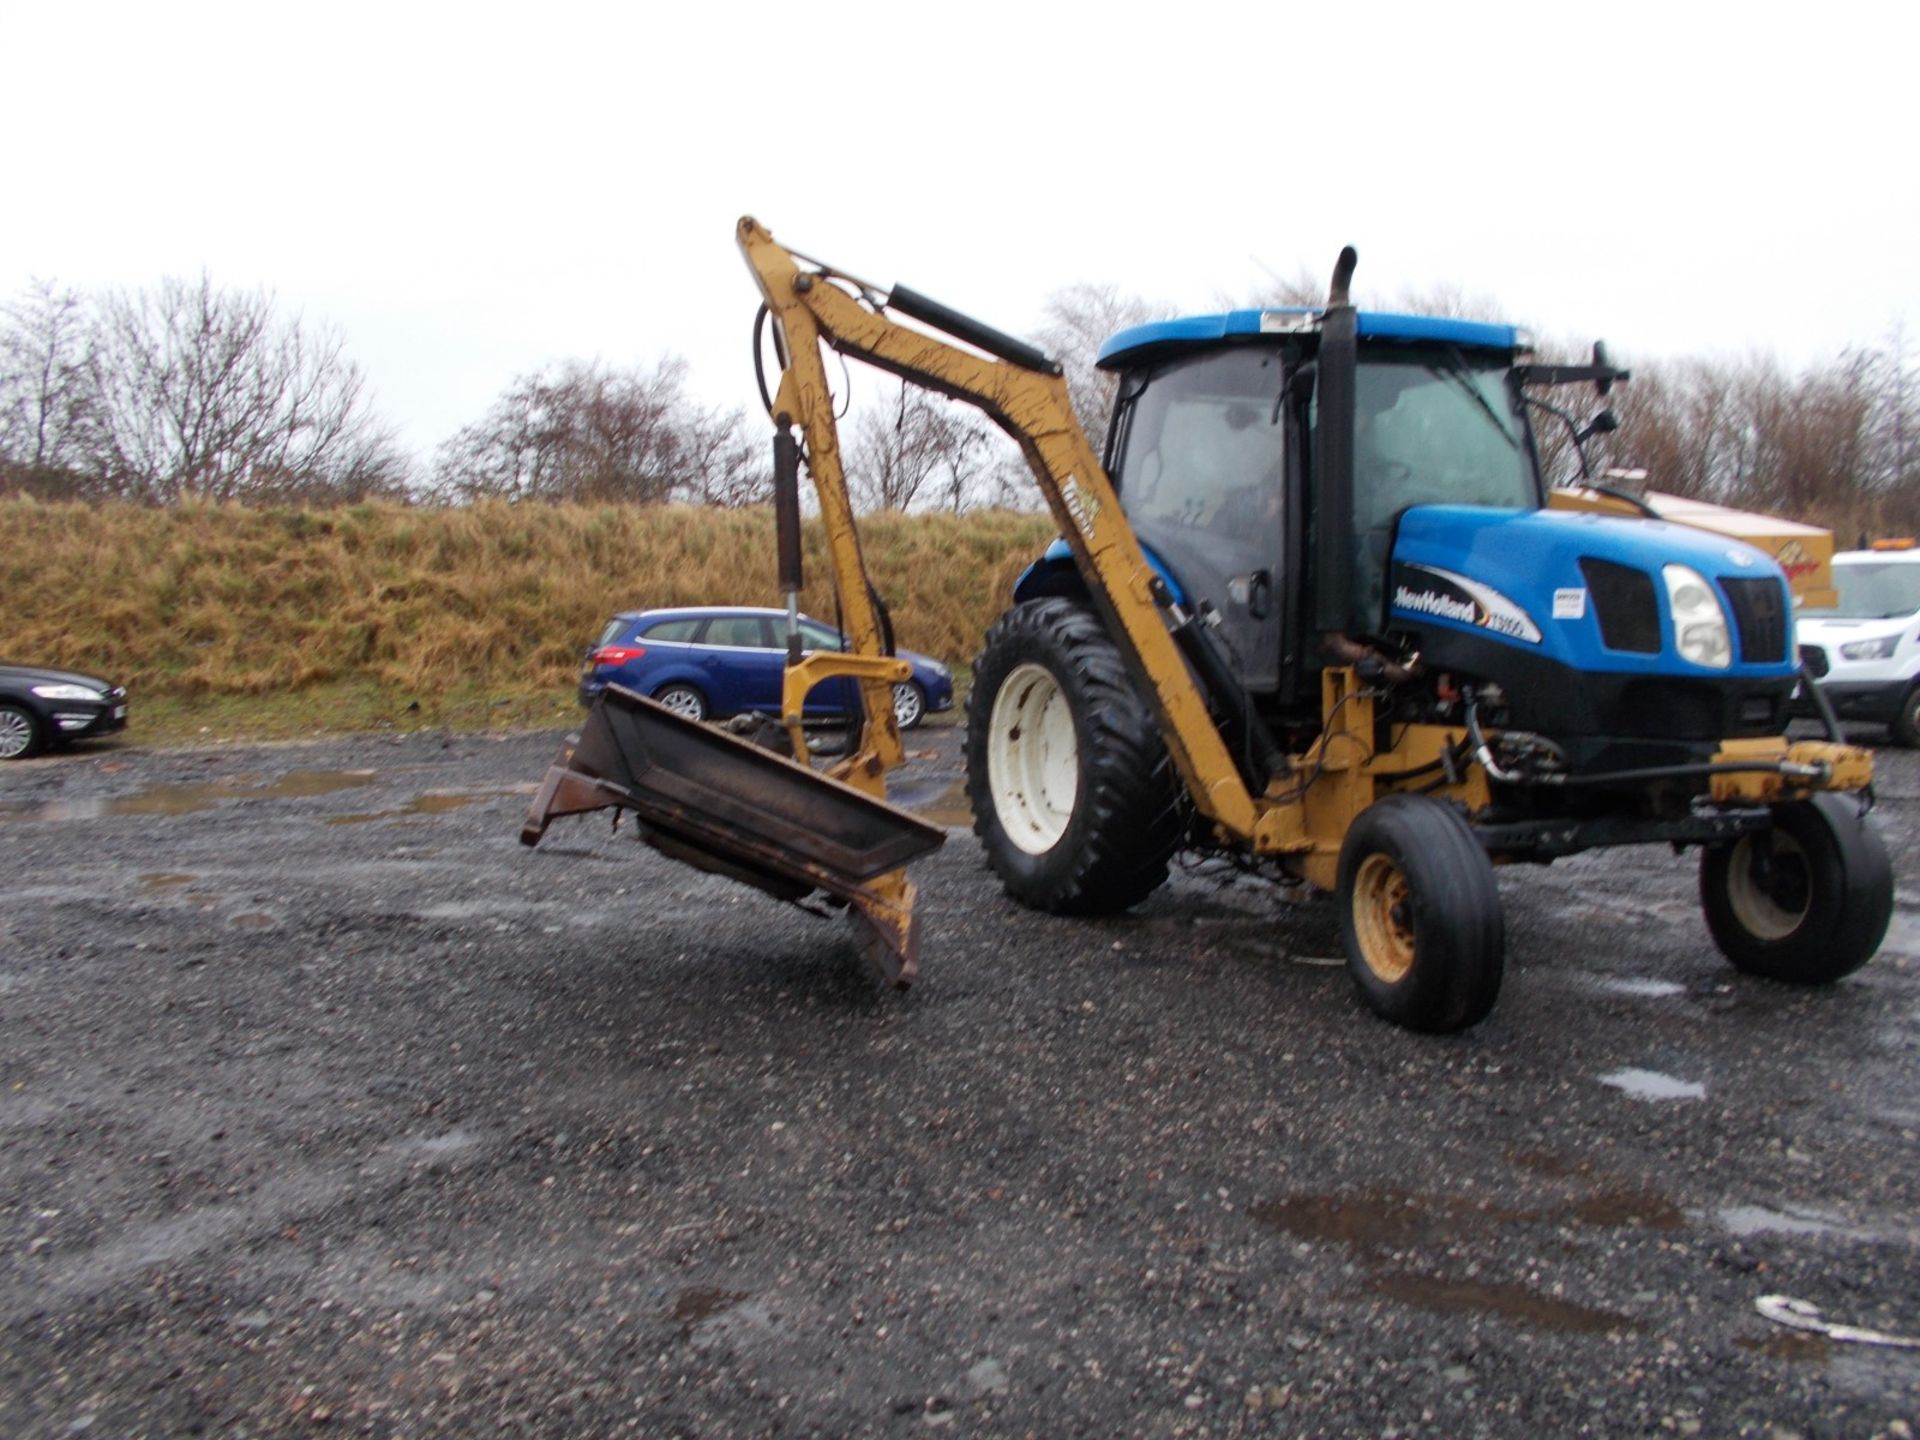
column 41, row 708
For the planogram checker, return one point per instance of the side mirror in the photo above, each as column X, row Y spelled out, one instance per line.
column 1605, row 423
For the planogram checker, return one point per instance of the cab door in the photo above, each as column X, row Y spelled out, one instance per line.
column 1202, row 471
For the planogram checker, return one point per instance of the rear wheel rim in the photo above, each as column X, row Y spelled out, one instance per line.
column 1033, row 759
column 906, row 704
column 1382, row 903
column 16, row 734
column 682, row 701
column 1769, row 885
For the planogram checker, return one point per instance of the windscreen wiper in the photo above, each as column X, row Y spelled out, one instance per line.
column 1457, row 373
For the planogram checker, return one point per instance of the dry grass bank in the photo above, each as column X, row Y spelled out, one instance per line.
column 366, row 611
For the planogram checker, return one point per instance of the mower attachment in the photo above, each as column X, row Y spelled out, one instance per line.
column 731, row 808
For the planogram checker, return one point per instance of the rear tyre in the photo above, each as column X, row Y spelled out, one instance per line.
column 1074, row 796
column 1906, row 722
column 683, row 700
column 20, row 735
column 909, row 704
column 1807, row 901
column 1420, row 914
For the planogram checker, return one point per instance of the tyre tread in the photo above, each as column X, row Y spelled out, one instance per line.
column 1134, row 819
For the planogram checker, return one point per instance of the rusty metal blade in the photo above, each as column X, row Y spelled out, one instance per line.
column 722, row 805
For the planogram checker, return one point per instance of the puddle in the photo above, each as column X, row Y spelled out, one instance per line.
column 1644, row 989
column 1514, row 1303
column 489, row 909
column 947, row 806
column 1652, row 1085
column 171, row 800
column 432, row 803
column 1369, row 1223
column 1616, row 1209
column 164, row 880
column 1750, row 1220
column 1390, row 1220
column 693, row 1306
column 1542, row 1161
column 1788, row 1347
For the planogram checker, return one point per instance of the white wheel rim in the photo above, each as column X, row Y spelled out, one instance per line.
column 1754, row 907
column 906, row 704
column 15, row 733
column 1033, row 759
column 682, row 702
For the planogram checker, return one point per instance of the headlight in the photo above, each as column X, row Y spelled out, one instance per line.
column 1871, row 649
column 1699, row 624
column 67, row 692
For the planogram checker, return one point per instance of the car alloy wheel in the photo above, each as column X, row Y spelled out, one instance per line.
column 18, row 737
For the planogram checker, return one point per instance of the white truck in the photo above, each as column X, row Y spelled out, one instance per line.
column 1864, row 649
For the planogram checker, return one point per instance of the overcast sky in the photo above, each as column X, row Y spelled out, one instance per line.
column 471, row 191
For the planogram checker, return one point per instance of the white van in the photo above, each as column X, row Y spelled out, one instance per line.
column 1865, row 650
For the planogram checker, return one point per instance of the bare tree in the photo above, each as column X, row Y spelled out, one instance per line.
column 200, row 393
column 43, row 361
column 1079, row 320
column 45, row 402
column 919, row 446
column 590, row 432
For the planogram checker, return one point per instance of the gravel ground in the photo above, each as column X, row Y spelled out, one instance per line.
column 323, row 1103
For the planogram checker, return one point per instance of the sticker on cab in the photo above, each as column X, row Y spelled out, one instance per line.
column 1570, row 604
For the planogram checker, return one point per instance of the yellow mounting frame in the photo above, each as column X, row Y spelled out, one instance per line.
column 1034, row 409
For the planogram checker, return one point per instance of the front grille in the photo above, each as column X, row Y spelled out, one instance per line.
column 1815, row 659
column 1623, row 601
column 1761, row 616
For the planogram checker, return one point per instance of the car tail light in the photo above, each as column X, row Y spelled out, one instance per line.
column 615, row 654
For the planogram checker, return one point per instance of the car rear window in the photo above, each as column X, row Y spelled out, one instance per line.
column 672, row 629
column 612, row 632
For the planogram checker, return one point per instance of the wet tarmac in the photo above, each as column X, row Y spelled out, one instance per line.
column 324, row 1102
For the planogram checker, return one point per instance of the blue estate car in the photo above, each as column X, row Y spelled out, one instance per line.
column 723, row 660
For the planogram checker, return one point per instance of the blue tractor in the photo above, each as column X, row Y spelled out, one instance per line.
column 1343, row 495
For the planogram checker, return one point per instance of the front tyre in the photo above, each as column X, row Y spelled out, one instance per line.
column 1807, row 901
column 1420, row 914
column 1906, row 721
column 1074, row 797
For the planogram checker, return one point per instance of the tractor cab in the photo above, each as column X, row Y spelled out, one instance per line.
column 1213, row 449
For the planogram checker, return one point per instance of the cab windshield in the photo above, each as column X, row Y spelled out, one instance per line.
column 1882, row 590
column 1432, row 428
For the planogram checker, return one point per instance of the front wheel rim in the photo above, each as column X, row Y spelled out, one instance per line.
column 1769, row 885
column 1033, row 759
column 1382, row 911
column 16, row 733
